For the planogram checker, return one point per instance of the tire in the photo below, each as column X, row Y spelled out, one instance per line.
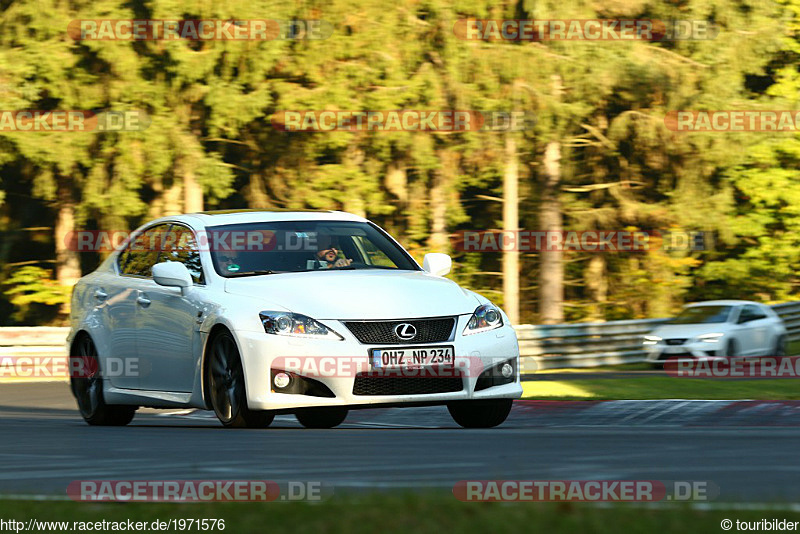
column 321, row 417
column 227, row 388
column 87, row 387
column 731, row 349
column 780, row 347
column 480, row 414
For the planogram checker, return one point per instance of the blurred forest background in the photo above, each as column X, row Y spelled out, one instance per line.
column 599, row 156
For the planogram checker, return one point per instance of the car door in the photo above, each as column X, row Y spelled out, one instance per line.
column 114, row 292
column 748, row 329
column 120, row 295
column 169, row 321
column 760, row 327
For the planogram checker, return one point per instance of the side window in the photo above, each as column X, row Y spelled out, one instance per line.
column 142, row 252
column 182, row 246
column 122, row 259
column 750, row 313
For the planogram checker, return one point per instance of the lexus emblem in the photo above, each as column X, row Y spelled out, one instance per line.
column 405, row 331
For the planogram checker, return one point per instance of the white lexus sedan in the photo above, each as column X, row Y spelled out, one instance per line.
column 252, row 313
column 718, row 329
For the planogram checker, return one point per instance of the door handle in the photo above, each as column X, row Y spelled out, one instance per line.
column 100, row 295
column 143, row 301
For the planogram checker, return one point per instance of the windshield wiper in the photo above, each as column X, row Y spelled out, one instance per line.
column 252, row 273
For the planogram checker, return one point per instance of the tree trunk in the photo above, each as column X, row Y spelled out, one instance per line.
column 511, row 224
column 68, row 264
column 551, row 271
column 172, row 203
column 597, row 286
column 551, row 266
column 354, row 199
column 438, row 240
column 256, row 193
column 396, row 181
column 192, row 192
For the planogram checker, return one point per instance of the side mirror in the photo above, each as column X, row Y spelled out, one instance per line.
column 172, row 274
column 437, row 264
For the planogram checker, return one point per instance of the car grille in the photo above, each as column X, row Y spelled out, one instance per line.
column 382, row 332
column 405, row 385
column 675, row 341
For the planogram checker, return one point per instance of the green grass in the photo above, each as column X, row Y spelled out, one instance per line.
column 391, row 512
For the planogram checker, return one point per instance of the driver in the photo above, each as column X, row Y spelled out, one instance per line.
column 328, row 252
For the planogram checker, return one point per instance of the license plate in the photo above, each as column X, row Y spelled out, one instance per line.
column 412, row 357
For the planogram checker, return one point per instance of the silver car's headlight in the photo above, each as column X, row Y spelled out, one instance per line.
column 651, row 340
column 486, row 317
column 710, row 338
column 294, row 324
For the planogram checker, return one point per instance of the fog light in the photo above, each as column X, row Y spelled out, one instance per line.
column 282, row 380
column 506, row 370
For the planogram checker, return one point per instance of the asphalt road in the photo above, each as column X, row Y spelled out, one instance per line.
column 748, row 449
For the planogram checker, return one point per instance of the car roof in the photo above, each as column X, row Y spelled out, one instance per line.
column 723, row 303
column 244, row 216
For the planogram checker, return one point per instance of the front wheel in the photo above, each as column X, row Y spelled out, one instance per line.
column 226, row 382
column 480, row 413
column 86, row 382
column 780, row 347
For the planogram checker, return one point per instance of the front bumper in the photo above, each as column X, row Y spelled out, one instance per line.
column 261, row 353
column 694, row 350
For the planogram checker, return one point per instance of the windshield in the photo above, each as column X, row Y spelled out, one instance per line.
column 300, row 246
column 703, row 315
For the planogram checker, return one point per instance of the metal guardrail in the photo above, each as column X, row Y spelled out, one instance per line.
column 582, row 345
column 541, row 346
column 33, row 352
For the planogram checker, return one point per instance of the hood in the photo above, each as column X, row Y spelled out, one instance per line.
column 668, row 331
column 353, row 295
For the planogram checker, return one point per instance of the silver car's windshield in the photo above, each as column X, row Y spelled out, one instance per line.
column 703, row 315
column 299, row 246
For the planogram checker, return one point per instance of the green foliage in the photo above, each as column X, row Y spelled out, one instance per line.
column 30, row 288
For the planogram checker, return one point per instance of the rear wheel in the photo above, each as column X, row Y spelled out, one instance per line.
column 480, row 413
column 226, row 383
column 86, row 382
column 321, row 417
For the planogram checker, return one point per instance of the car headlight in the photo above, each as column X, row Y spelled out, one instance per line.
column 486, row 317
column 294, row 324
column 651, row 340
column 710, row 338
